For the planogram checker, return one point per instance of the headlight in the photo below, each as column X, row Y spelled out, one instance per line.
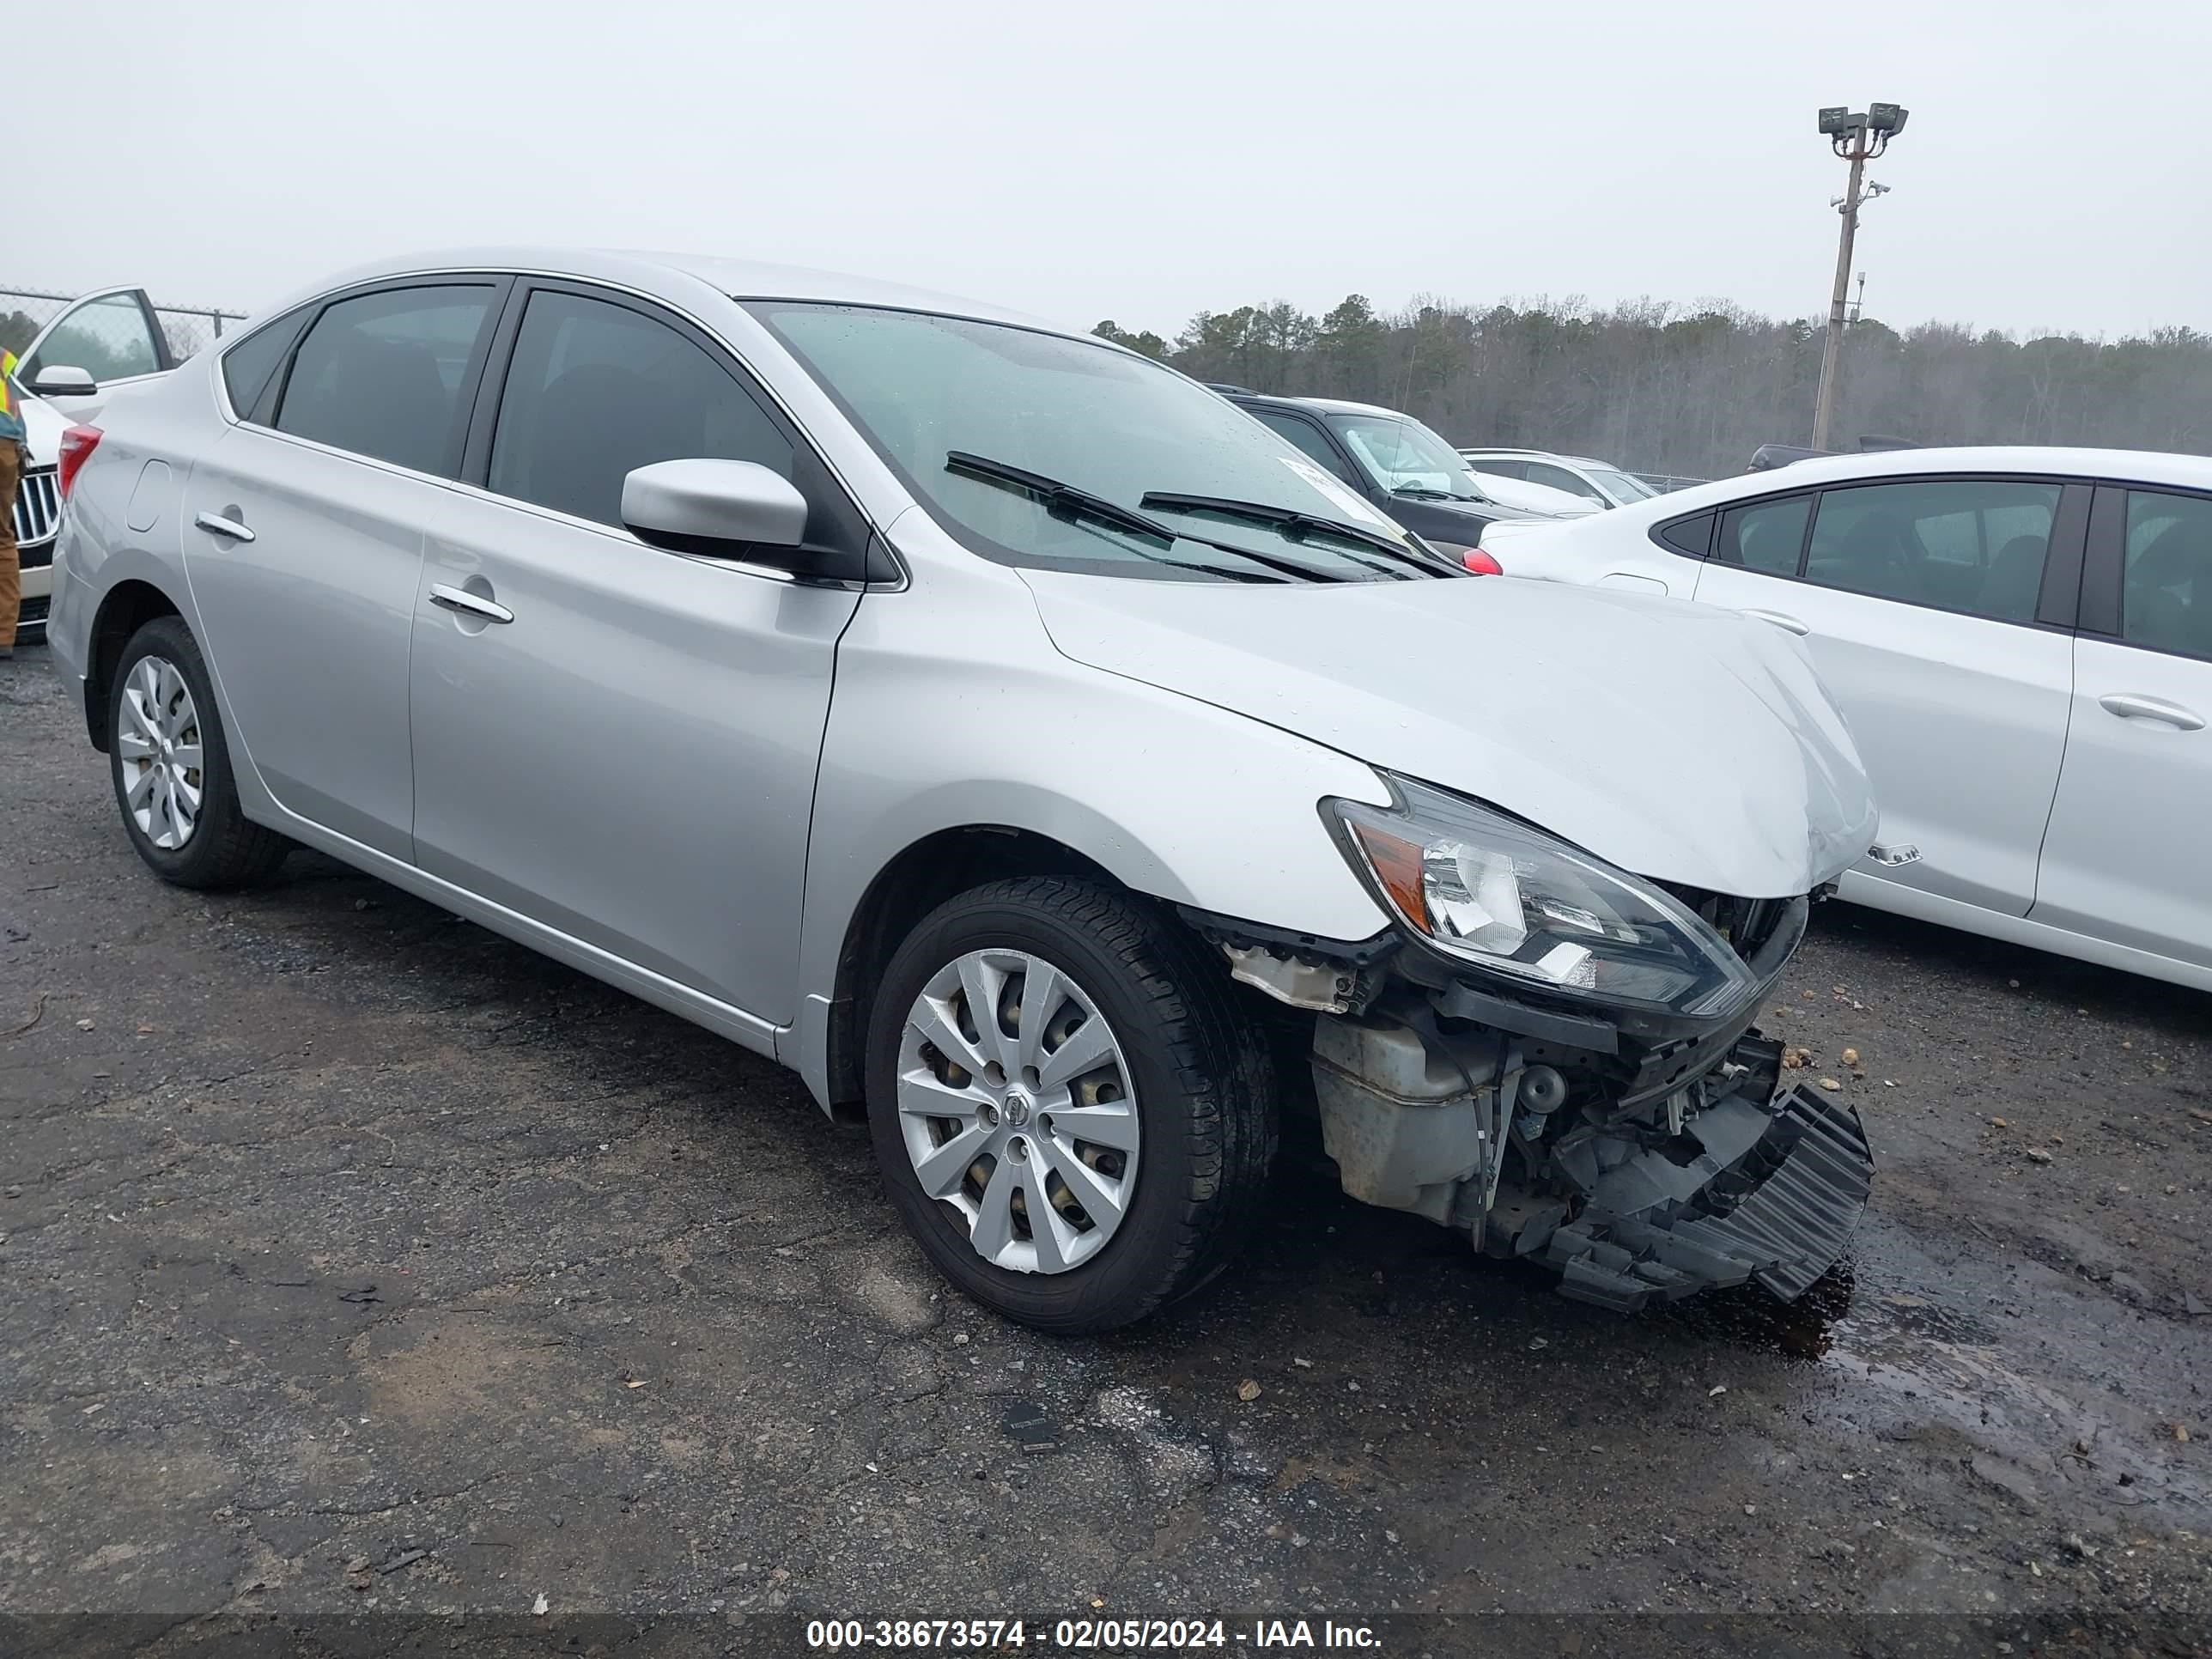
column 1505, row 896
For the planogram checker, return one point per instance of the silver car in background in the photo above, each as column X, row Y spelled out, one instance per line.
column 1006, row 732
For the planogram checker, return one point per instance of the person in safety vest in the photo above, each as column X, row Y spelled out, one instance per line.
column 12, row 460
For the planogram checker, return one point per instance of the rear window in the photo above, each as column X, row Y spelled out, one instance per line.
column 248, row 365
column 381, row 374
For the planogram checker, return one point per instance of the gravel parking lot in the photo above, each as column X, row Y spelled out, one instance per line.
column 351, row 1257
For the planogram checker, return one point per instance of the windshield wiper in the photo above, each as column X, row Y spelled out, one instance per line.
column 1423, row 493
column 1064, row 499
column 1289, row 519
column 1070, row 502
column 1284, row 518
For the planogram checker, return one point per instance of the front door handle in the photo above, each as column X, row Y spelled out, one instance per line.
column 474, row 604
column 217, row 525
column 2130, row 707
column 1780, row 621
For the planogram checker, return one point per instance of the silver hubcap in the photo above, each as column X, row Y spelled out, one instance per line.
column 1015, row 1107
column 157, row 735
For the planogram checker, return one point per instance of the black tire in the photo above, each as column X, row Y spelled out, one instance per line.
column 1199, row 1070
column 225, row 849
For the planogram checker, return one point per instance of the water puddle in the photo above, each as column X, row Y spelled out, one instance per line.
column 1990, row 1379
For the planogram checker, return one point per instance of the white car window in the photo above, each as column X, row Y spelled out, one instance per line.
column 1764, row 536
column 1558, row 478
column 108, row 339
column 2165, row 597
column 1620, row 485
column 1975, row 545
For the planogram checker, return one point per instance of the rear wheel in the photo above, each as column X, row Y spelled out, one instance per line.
column 1073, row 1115
column 171, row 767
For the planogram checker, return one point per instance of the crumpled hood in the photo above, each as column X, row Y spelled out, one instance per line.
column 1676, row 740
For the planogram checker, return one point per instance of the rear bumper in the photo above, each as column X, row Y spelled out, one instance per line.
column 1772, row 1199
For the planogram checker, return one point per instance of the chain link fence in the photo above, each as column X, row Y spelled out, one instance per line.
column 189, row 329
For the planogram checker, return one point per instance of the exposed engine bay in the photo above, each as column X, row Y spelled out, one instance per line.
column 1643, row 1160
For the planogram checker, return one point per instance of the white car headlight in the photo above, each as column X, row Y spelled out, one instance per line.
column 1505, row 896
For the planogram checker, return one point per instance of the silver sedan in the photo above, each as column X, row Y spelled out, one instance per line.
column 1000, row 729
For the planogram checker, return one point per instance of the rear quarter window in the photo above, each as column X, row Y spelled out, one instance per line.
column 1693, row 536
column 249, row 366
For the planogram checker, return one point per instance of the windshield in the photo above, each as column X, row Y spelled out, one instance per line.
column 1620, row 486
column 1099, row 423
column 1403, row 454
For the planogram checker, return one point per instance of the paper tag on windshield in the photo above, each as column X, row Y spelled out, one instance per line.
column 1347, row 503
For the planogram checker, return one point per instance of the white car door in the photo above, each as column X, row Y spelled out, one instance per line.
column 1938, row 610
column 113, row 336
column 2124, row 859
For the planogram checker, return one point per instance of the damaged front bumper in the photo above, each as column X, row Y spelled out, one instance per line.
column 1642, row 1158
column 1772, row 1196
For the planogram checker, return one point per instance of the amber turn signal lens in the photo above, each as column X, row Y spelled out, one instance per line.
column 1397, row 865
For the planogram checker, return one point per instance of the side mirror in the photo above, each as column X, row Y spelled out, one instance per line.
column 64, row 380
column 726, row 509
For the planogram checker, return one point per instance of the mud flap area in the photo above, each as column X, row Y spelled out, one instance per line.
column 1766, row 1198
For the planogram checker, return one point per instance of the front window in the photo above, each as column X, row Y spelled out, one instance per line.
column 2166, row 601
column 1405, row 456
column 1620, row 487
column 1117, row 428
column 596, row 390
column 109, row 339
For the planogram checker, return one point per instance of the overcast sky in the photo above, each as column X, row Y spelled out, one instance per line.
column 1138, row 160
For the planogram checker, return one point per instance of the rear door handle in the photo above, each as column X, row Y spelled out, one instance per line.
column 216, row 523
column 2130, row 707
column 474, row 604
column 1779, row 621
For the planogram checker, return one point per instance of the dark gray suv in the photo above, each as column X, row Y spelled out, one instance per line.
column 1389, row 460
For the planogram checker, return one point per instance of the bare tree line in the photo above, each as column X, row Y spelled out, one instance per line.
column 1694, row 389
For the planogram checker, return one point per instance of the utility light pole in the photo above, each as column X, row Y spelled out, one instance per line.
column 1858, row 138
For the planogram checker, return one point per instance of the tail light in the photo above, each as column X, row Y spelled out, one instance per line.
column 77, row 444
column 1480, row 563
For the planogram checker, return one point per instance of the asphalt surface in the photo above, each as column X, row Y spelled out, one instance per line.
column 357, row 1259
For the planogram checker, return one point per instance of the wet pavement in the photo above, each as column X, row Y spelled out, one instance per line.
column 357, row 1259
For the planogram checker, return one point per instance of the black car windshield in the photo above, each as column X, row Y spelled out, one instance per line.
column 1098, row 422
column 1402, row 454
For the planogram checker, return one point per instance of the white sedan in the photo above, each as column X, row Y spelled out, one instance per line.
column 2021, row 640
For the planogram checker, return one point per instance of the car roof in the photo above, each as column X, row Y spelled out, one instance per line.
column 1543, row 454
column 741, row 279
column 2137, row 466
column 1345, row 406
column 1320, row 405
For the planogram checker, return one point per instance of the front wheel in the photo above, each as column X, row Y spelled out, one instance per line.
column 1072, row 1113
